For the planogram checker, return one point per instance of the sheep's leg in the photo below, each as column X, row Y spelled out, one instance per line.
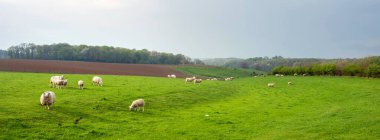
column 143, row 109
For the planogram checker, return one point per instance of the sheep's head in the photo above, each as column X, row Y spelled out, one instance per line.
column 131, row 107
column 46, row 95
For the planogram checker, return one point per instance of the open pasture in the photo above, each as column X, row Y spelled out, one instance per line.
column 245, row 108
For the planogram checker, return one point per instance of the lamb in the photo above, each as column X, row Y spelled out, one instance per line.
column 197, row 81
column 189, row 79
column 97, row 80
column 270, row 84
column 47, row 99
column 55, row 78
column 290, row 83
column 80, row 84
column 137, row 104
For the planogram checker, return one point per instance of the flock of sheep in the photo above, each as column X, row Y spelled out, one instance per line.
column 48, row 98
column 198, row 81
column 281, row 75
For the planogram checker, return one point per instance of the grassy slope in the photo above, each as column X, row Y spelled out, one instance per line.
column 217, row 72
column 313, row 108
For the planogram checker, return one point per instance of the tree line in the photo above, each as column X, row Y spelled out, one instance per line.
column 364, row 67
column 64, row 51
column 3, row 54
column 263, row 63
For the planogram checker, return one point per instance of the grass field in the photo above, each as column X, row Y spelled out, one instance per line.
column 313, row 108
column 216, row 72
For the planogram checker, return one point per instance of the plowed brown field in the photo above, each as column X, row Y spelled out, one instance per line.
column 78, row 67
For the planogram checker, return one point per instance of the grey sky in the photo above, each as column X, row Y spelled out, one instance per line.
column 200, row 28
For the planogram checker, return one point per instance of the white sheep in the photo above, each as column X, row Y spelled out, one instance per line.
column 197, row 81
column 80, row 84
column 277, row 75
column 172, row 76
column 59, row 83
column 270, row 84
column 228, row 79
column 137, row 104
column 55, row 78
column 97, row 80
column 64, row 83
column 290, row 83
column 214, row 79
column 295, row 74
column 47, row 99
column 189, row 79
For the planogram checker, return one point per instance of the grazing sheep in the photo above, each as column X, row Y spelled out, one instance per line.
column 55, row 78
column 97, row 80
column 64, row 83
column 80, row 84
column 214, row 79
column 189, row 79
column 277, row 75
column 172, row 76
column 282, row 75
column 270, row 84
column 295, row 74
column 290, row 83
column 59, row 83
column 47, row 99
column 228, row 79
column 305, row 74
column 197, row 81
column 137, row 104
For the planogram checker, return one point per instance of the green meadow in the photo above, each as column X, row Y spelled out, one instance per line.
column 216, row 72
column 245, row 108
